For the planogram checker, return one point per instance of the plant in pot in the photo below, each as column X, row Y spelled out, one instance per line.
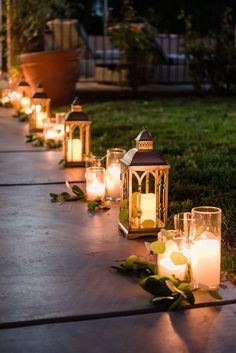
column 56, row 70
column 134, row 37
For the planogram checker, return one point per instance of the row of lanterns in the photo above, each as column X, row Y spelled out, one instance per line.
column 138, row 178
column 142, row 172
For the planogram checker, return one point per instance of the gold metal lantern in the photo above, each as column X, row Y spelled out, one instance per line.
column 24, row 90
column 144, row 189
column 76, row 136
column 40, row 109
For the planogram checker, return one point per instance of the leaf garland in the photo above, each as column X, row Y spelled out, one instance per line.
column 39, row 141
column 166, row 289
column 77, row 194
column 22, row 116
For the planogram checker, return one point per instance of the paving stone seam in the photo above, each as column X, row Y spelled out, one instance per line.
column 109, row 315
column 30, row 151
column 45, row 183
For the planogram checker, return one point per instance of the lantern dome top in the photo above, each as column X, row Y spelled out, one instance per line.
column 143, row 154
column 76, row 113
column 144, row 140
column 23, row 84
column 40, row 93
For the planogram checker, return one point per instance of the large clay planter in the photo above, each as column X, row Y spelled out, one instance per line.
column 56, row 70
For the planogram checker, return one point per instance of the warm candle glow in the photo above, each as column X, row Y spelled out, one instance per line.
column 50, row 135
column 206, row 261
column 40, row 116
column 74, row 150
column 25, row 103
column 113, row 181
column 167, row 268
column 148, row 208
column 95, row 189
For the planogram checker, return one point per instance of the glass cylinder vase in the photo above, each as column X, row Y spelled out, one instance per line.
column 95, row 183
column 113, row 170
column 206, row 247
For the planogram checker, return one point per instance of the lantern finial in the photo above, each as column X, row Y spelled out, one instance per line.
column 76, row 106
column 144, row 140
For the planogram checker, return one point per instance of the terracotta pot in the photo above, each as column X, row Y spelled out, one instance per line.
column 56, row 70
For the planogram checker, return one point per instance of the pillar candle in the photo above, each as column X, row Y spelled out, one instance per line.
column 205, row 259
column 25, row 103
column 74, row 150
column 148, row 207
column 40, row 116
column 113, row 181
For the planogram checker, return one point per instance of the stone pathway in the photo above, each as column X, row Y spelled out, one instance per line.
column 57, row 291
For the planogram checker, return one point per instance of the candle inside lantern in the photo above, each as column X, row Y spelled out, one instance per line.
column 113, row 181
column 148, row 208
column 205, row 259
column 74, row 150
column 95, row 189
column 40, row 117
column 25, row 103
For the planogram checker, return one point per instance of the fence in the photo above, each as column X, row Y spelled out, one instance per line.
column 99, row 60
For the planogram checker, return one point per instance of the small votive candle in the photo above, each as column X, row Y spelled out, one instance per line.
column 95, row 183
column 165, row 265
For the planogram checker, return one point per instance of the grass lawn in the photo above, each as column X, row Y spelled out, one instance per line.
column 197, row 136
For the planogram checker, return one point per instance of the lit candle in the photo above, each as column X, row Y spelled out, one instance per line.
column 166, row 267
column 148, row 208
column 205, row 259
column 74, row 150
column 40, row 116
column 54, row 133
column 50, row 135
column 113, row 181
column 25, row 103
column 95, row 189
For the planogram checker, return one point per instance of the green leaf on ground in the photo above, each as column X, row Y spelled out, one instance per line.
column 215, row 294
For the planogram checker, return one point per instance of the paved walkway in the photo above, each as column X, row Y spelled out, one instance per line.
column 57, row 292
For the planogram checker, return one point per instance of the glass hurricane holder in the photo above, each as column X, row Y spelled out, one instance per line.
column 113, row 171
column 95, row 183
column 175, row 261
column 52, row 131
column 183, row 224
column 60, row 118
column 206, row 247
column 144, row 189
column 92, row 161
column 76, row 136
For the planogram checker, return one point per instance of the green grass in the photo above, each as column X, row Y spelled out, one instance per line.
column 197, row 136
